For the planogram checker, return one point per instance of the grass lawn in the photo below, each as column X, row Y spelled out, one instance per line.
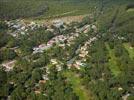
column 79, row 89
column 131, row 9
column 130, row 50
column 113, row 61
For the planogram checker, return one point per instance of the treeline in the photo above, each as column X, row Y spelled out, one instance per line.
column 6, row 42
column 35, row 38
column 116, row 18
column 20, row 9
column 130, row 6
column 99, row 77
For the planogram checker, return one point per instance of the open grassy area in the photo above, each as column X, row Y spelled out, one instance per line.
column 129, row 10
column 76, row 81
column 130, row 50
column 113, row 62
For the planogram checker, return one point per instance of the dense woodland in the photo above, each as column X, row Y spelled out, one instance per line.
column 106, row 74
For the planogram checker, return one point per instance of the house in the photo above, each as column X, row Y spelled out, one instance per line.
column 69, row 65
column 20, row 27
column 50, row 30
column 84, row 59
column 14, row 35
column 79, row 63
column 120, row 89
column 54, row 61
column 121, row 38
column 76, row 34
column 45, row 77
column 76, row 66
column 22, row 33
column 87, row 28
column 58, row 23
column 41, row 48
column 68, row 44
column 55, row 40
column 23, row 28
column 125, row 97
column 94, row 28
column 62, row 45
column 47, row 70
column 58, row 67
column 9, row 65
column 83, row 48
column 42, row 81
column 32, row 24
column 37, row 91
column 83, row 55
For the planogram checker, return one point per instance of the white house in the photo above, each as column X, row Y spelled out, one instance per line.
column 58, row 23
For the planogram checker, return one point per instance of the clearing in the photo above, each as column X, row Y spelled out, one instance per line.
column 113, row 61
column 65, row 19
column 79, row 89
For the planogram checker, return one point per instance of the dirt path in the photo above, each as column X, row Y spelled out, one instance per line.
column 63, row 14
column 69, row 19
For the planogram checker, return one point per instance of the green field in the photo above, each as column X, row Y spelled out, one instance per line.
column 129, row 10
column 130, row 50
column 113, row 62
column 79, row 89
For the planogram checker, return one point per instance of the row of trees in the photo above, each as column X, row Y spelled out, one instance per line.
column 98, row 76
column 6, row 42
column 26, row 8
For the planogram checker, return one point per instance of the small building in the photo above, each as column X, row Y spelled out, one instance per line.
column 41, row 48
column 62, row 45
column 58, row 23
column 42, row 81
column 54, row 61
column 94, row 28
column 120, row 89
column 9, row 65
column 37, row 91
column 76, row 66
column 45, row 77
column 59, row 68
column 125, row 97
